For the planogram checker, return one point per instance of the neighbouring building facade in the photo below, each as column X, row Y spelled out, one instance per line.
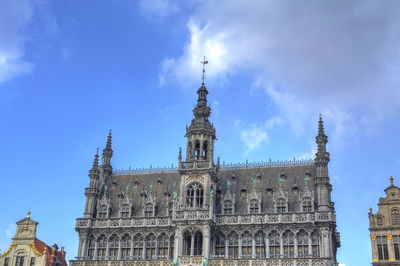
column 384, row 228
column 27, row 250
column 207, row 213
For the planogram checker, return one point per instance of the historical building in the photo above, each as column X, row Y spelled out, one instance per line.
column 384, row 228
column 27, row 250
column 207, row 213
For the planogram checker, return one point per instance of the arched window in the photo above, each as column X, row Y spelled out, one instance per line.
column 254, row 206
column 163, row 246
column 125, row 211
column 302, row 244
column 170, row 208
column 150, row 246
column 274, row 244
column 198, row 243
column 395, row 216
column 379, row 220
column 103, row 211
column 189, row 150
column 92, row 246
column 194, row 195
column 228, row 207
column 220, row 245
column 233, row 245
column 205, row 150
column 113, row 243
column 187, row 243
column 126, row 243
column 197, row 150
column 315, row 244
column 381, row 242
column 288, row 244
column 260, row 244
column 138, row 247
column 247, row 244
column 307, row 205
column 281, row 205
column 148, row 209
column 101, row 247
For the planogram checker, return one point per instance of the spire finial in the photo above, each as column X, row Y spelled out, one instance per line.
column 96, row 160
column 29, row 214
column 180, row 154
column 203, row 77
column 321, row 130
column 109, row 139
column 391, row 181
column 108, row 152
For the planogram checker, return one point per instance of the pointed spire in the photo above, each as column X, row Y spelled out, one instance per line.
column 95, row 165
column 180, row 154
column 321, row 138
column 108, row 152
column 321, row 131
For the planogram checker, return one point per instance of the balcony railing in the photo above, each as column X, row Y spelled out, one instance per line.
column 123, row 222
column 192, row 215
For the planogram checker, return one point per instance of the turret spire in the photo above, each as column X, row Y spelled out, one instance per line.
column 95, row 165
column 108, row 152
column 321, row 138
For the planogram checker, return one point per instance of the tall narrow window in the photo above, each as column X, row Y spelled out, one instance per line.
column 396, row 245
column 197, row 150
column 382, row 248
column 315, row 244
column 198, row 244
column 395, row 217
column 260, row 244
column 254, row 206
column 163, row 246
column 281, row 205
column 126, row 243
column 171, row 249
column 247, row 244
column 103, row 211
column 187, row 243
column 302, row 244
column 101, row 247
column 148, row 210
column 228, row 207
column 33, row 261
column 92, row 246
column 205, row 150
column 150, row 246
column 199, row 196
column 190, row 151
column 20, row 261
column 6, row 261
column 379, row 220
column 194, row 195
column 220, row 245
column 170, row 208
column 288, row 244
column 233, row 245
column 125, row 211
column 113, row 243
column 274, row 244
column 137, row 247
column 307, row 205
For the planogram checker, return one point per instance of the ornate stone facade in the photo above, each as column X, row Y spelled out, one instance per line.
column 384, row 228
column 207, row 213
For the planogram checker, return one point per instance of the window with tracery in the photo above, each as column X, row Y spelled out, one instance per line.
column 220, row 245
column 194, row 195
column 150, row 246
column 307, row 204
column 113, row 243
column 125, row 211
column 396, row 245
column 395, row 217
column 302, row 244
column 288, row 244
column 163, row 246
column 103, row 211
column 205, row 150
column 148, row 209
column 91, row 248
column 281, row 205
column 254, row 206
column 247, row 244
column 315, row 244
column 198, row 244
column 126, row 243
column 101, row 247
column 260, row 244
column 197, row 150
column 228, row 207
column 137, row 247
column 171, row 247
column 233, row 245
column 381, row 242
column 274, row 244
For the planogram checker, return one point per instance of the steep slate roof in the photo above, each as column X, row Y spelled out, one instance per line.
column 267, row 183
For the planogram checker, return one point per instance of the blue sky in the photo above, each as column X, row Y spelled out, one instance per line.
column 72, row 70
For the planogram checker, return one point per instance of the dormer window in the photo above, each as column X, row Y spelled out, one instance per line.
column 148, row 209
column 194, row 195
column 281, row 205
column 228, row 207
column 379, row 220
column 395, row 217
column 125, row 211
column 307, row 204
column 103, row 212
column 254, row 206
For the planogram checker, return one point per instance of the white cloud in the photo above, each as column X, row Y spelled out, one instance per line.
column 340, row 58
column 158, row 8
column 253, row 138
column 15, row 19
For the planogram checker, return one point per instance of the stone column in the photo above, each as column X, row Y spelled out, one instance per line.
column 374, row 248
column 131, row 253
column 178, row 243
column 296, row 250
column 281, row 246
column 266, row 247
column 95, row 250
column 390, row 247
column 240, row 246
column 226, row 247
column 192, row 244
column 107, row 250
column 144, row 249
column 309, row 245
column 253, row 248
column 325, row 247
column 119, row 256
column 206, row 245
